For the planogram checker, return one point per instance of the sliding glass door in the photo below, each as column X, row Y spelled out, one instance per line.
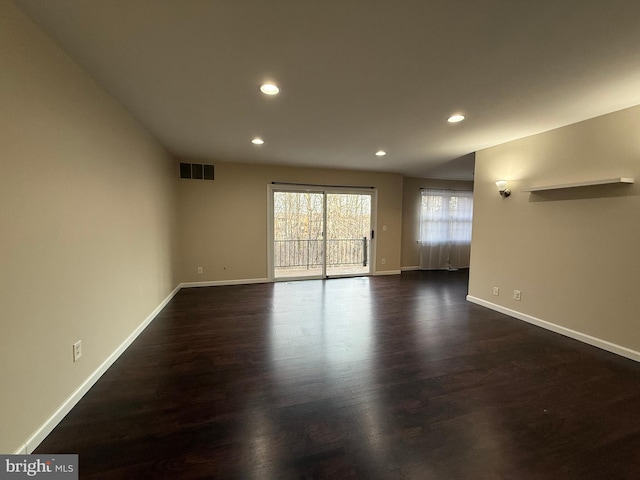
column 348, row 234
column 298, row 234
column 317, row 234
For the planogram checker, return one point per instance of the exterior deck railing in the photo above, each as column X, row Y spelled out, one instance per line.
column 308, row 253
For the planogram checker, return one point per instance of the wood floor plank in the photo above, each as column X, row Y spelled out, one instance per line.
column 356, row 378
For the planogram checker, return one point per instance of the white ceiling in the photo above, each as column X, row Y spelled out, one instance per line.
column 355, row 75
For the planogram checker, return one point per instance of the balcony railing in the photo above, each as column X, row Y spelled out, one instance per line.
column 308, row 253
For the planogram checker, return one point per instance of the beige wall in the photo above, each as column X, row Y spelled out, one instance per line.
column 574, row 254
column 87, row 211
column 411, row 201
column 224, row 223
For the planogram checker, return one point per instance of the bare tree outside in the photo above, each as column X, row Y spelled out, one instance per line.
column 299, row 233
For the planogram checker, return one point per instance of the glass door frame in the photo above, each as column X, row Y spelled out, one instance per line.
column 272, row 188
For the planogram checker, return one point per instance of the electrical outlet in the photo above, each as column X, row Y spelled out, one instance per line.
column 517, row 295
column 199, row 270
column 77, row 350
column 496, row 291
column 383, row 261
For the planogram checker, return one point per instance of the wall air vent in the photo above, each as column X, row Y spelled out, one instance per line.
column 196, row 171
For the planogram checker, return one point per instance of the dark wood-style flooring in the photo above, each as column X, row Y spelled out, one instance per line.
column 372, row 378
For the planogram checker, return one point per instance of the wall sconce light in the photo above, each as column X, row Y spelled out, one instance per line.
column 502, row 188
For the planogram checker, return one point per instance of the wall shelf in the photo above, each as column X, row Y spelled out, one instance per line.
column 590, row 183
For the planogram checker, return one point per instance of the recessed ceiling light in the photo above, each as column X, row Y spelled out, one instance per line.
column 455, row 118
column 269, row 89
column 257, row 141
column 381, row 153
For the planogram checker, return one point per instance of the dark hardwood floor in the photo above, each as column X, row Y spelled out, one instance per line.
column 372, row 378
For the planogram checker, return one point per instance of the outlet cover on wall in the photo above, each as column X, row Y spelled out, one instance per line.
column 517, row 295
column 199, row 270
column 496, row 291
column 77, row 350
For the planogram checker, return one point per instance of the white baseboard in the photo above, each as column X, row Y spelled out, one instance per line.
column 567, row 332
column 409, row 269
column 218, row 283
column 388, row 272
column 45, row 429
column 22, row 450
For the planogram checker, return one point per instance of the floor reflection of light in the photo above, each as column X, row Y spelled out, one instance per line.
column 326, row 333
column 347, row 323
column 258, row 444
column 371, row 422
column 328, row 342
